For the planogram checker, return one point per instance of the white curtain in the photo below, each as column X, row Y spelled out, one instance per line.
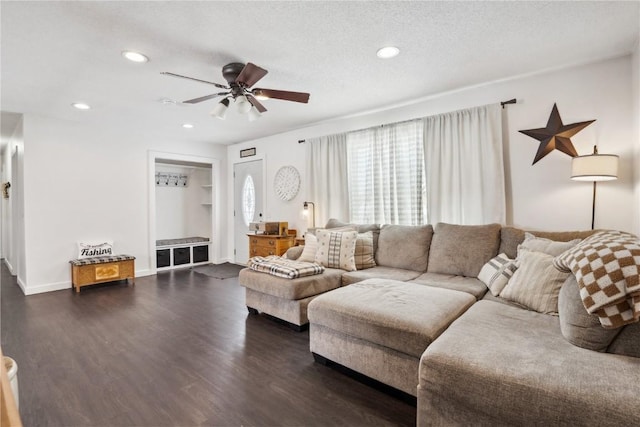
column 464, row 166
column 386, row 174
column 327, row 177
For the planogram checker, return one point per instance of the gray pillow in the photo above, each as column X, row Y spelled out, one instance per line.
column 404, row 246
column 578, row 326
column 547, row 246
column 463, row 249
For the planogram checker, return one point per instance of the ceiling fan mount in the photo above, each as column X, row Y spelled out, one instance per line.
column 231, row 71
column 240, row 78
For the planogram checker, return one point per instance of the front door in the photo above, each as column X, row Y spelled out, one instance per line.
column 248, row 204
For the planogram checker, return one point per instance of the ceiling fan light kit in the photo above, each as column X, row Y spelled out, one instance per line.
column 240, row 78
column 254, row 114
column 220, row 110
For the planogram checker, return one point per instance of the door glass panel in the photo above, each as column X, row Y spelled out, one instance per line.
column 248, row 200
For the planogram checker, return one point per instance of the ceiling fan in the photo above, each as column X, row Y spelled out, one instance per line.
column 240, row 78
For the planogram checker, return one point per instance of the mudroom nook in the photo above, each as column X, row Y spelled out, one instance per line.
column 183, row 195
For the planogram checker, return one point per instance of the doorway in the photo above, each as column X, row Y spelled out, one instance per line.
column 248, row 204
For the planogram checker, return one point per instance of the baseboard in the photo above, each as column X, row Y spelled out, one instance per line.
column 9, row 266
column 143, row 273
column 49, row 287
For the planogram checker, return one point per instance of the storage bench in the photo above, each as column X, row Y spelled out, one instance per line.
column 90, row 271
column 177, row 253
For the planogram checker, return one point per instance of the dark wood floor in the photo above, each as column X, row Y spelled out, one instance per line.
column 176, row 349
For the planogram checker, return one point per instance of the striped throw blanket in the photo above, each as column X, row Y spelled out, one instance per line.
column 283, row 267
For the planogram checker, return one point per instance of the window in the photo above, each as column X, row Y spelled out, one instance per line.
column 386, row 174
column 248, row 200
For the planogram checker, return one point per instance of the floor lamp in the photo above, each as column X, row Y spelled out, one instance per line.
column 313, row 217
column 594, row 167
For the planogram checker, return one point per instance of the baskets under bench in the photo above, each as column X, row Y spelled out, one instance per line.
column 90, row 271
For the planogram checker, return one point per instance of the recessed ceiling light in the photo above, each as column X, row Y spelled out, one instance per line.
column 134, row 56
column 187, row 126
column 81, row 106
column 387, row 52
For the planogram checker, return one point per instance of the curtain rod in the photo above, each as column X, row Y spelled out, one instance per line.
column 511, row 101
column 503, row 103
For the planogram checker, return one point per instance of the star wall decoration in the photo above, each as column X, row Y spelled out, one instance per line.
column 555, row 136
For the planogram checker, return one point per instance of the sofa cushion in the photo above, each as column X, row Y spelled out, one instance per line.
column 399, row 274
column 497, row 272
column 499, row 364
column 577, row 325
column 292, row 289
column 511, row 237
column 470, row 285
column 627, row 343
column 536, row 283
column 402, row 316
column 336, row 249
column 463, row 249
column 404, row 246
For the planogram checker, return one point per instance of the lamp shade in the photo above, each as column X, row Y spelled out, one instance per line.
column 220, row 110
column 243, row 104
column 254, row 114
column 595, row 167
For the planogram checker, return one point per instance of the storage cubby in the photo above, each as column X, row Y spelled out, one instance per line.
column 183, row 211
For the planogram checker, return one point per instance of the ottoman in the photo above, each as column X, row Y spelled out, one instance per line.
column 381, row 327
column 286, row 299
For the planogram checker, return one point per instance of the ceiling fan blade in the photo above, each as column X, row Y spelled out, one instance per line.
column 198, row 80
column 204, row 98
column 282, row 94
column 250, row 74
column 256, row 104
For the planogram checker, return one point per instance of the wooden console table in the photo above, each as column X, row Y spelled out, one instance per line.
column 268, row 244
column 90, row 271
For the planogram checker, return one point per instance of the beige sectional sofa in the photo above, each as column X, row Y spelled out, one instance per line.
column 422, row 322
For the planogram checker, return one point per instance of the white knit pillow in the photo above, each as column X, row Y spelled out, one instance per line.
column 310, row 248
column 336, row 249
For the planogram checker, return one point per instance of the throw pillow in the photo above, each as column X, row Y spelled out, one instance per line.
column 311, row 243
column 497, row 272
column 310, row 248
column 364, row 251
column 336, row 249
column 462, row 250
column 536, row 283
column 547, row 246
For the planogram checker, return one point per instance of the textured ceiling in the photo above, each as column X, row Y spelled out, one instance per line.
column 56, row 53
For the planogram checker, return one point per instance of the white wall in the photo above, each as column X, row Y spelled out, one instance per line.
column 636, row 115
column 540, row 196
column 13, row 208
column 87, row 183
column 180, row 211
